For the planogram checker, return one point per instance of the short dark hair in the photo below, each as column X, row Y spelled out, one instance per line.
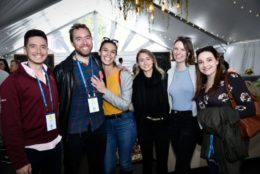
column 76, row 27
column 15, row 61
column 33, row 33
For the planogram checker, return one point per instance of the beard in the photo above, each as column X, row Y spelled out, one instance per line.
column 82, row 52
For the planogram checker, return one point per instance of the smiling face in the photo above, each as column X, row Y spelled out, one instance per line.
column 108, row 53
column 82, row 41
column 145, row 63
column 36, row 50
column 207, row 63
column 179, row 52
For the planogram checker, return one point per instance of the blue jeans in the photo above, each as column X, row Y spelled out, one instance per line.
column 121, row 136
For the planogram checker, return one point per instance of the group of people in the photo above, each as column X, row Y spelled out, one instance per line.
column 90, row 107
column 5, row 70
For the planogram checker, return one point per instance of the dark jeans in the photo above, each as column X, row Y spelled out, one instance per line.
column 93, row 144
column 45, row 162
column 184, row 133
column 154, row 135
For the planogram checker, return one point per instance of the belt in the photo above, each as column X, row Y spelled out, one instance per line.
column 115, row 116
column 180, row 112
column 154, row 119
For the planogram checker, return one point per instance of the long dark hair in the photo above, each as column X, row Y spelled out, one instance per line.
column 7, row 69
column 202, row 79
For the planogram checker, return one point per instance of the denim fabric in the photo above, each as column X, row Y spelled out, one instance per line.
column 121, row 136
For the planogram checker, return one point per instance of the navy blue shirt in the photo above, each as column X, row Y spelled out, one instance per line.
column 80, row 118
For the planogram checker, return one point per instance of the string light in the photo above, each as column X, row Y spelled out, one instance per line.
column 138, row 7
column 243, row 7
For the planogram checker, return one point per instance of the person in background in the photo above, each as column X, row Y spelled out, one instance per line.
column 120, row 121
column 134, row 68
column 211, row 93
column 3, row 76
column 14, row 64
column 82, row 118
column 4, row 65
column 120, row 60
column 183, row 126
column 29, row 100
column 151, row 109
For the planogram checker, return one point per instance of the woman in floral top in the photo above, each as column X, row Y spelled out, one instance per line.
column 211, row 92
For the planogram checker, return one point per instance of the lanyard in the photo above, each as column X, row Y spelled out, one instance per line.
column 82, row 75
column 42, row 93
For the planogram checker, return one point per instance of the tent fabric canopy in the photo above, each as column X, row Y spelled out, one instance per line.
column 209, row 22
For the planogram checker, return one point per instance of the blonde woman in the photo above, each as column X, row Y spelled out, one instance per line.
column 151, row 110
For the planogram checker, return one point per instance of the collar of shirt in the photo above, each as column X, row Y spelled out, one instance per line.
column 30, row 72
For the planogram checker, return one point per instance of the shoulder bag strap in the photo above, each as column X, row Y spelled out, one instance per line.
column 232, row 100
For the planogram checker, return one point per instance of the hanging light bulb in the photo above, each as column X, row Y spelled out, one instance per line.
column 151, row 8
column 178, row 4
column 146, row 6
column 163, row 6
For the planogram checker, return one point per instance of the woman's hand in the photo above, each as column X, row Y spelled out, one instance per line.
column 98, row 84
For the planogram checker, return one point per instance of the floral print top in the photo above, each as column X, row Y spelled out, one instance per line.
column 245, row 104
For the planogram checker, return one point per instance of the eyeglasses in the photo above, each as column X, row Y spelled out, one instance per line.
column 112, row 40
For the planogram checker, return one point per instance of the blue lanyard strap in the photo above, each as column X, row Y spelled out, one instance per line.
column 42, row 92
column 82, row 75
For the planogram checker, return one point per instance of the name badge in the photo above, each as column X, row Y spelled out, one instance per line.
column 51, row 121
column 93, row 104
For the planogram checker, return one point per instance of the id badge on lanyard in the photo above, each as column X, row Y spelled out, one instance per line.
column 51, row 116
column 51, row 121
column 93, row 104
column 92, row 101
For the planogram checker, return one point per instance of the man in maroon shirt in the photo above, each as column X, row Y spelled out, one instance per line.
column 29, row 100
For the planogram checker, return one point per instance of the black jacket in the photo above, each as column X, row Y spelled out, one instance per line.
column 65, row 82
column 223, row 123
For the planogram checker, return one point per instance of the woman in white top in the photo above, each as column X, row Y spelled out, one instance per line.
column 183, row 125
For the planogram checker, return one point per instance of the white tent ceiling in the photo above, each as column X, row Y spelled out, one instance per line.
column 209, row 22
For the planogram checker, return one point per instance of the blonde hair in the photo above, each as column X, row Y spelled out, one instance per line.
column 155, row 64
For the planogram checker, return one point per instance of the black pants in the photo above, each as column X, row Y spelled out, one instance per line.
column 45, row 162
column 184, row 133
column 92, row 144
column 153, row 135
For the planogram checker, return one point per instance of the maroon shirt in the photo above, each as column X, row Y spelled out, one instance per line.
column 23, row 114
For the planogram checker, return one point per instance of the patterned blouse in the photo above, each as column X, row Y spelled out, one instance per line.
column 245, row 104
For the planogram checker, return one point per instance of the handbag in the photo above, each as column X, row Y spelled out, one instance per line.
column 249, row 126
